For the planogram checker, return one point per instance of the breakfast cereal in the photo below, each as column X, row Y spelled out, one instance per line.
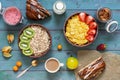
column 76, row 31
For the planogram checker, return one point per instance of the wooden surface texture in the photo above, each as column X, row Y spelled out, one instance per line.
column 55, row 25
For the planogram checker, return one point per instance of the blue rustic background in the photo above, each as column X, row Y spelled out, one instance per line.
column 55, row 24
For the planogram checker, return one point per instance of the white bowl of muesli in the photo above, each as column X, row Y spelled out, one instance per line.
column 34, row 40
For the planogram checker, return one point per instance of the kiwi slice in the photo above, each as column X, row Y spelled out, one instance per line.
column 24, row 45
column 24, row 38
column 28, row 52
column 29, row 32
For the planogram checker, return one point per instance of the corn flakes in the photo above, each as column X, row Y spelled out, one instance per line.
column 76, row 31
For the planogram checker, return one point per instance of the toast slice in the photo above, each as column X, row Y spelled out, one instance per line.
column 35, row 11
column 92, row 70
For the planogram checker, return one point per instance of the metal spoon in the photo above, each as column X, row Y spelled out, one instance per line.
column 33, row 64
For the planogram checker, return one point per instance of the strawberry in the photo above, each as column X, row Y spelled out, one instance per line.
column 101, row 47
column 90, row 38
column 82, row 16
column 89, row 19
column 93, row 25
column 91, row 32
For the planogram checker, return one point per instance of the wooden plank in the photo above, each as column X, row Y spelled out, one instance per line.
column 111, row 40
column 8, row 63
column 38, row 75
column 81, row 4
column 57, row 22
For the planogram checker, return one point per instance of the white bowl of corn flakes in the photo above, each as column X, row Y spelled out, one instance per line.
column 80, row 29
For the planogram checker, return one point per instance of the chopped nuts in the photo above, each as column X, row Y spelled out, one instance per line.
column 104, row 14
column 10, row 38
column 6, row 51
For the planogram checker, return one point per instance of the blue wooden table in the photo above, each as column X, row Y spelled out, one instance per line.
column 55, row 25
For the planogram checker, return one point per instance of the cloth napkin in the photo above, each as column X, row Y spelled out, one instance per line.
column 112, row 60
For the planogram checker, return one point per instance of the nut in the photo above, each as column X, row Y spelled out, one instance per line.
column 10, row 38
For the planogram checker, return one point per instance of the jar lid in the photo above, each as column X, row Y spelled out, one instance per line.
column 111, row 26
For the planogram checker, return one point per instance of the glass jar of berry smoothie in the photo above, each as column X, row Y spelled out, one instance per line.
column 11, row 15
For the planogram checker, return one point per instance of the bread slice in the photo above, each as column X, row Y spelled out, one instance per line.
column 92, row 70
column 35, row 11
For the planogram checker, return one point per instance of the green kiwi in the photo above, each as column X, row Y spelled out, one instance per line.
column 28, row 52
column 24, row 38
column 24, row 45
column 29, row 32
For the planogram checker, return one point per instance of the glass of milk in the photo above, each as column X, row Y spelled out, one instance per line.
column 59, row 7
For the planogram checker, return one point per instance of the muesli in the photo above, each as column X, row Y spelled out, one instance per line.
column 34, row 41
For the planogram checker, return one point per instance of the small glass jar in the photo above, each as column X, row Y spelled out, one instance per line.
column 59, row 7
column 11, row 15
column 104, row 15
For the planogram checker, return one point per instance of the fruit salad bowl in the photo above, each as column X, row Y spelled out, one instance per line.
column 34, row 40
column 80, row 29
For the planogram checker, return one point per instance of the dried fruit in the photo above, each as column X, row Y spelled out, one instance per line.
column 18, row 63
column 6, row 51
column 101, row 47
column 10, row 38
column 15, row 68
column 59, row 47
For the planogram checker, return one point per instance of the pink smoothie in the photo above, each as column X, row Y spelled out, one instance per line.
column 12, row 15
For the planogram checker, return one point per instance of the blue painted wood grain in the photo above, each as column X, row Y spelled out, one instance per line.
column 55, row 24
column 38, row 75
column 111, row 40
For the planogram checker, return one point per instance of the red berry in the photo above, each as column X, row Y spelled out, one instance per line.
column 93, row 25
column 101, row 47
column 82, row 16
column 92, row 32
column 90, row 38
column 89, row 19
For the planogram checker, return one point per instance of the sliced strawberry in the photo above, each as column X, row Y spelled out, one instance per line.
column 93, row 25
column 82, row 16
column 89, row 19
column 90, row 38
column 91, row 32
